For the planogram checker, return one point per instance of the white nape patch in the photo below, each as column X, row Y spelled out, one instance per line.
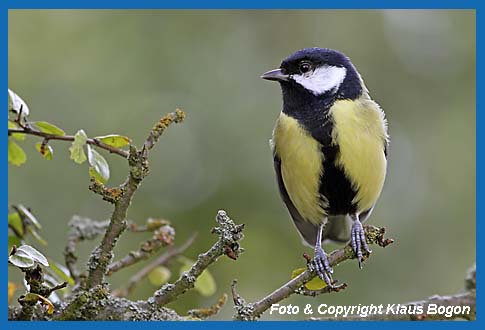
column 322, row 79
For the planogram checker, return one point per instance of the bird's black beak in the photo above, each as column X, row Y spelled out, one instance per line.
column 276, row 75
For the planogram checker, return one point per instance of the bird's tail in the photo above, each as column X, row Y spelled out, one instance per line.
column 337, row 229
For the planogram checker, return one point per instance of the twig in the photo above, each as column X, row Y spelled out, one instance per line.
column 203, row 313
column 81, row 229
column 162, row 260
column 138, row 161
column 254, row 310
column 175, row 117
column 58, row 287
column 47, row 137
column 111, row 195
column 151, row 224
column 229, row 236
column 162, row 237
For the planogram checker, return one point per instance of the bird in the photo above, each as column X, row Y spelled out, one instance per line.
column 329, row 147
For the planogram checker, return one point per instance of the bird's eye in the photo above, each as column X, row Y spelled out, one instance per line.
column 305, row 67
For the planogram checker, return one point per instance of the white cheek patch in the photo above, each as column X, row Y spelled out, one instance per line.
column 322, row 79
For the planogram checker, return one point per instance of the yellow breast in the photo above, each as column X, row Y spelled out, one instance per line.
column 360, row 131
column 301, row 167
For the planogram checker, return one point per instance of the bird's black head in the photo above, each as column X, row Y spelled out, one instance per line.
column 320, row 73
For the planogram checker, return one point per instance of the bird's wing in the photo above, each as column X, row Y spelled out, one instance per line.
column 308, row 230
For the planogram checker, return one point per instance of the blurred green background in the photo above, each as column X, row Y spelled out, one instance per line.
column 120, row 71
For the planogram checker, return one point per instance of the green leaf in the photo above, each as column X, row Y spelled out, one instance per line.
column 76, row 149
column 45, row 150
column 61, row 271
column 24, row 212
column 13, row 240
column 31, row 297
column 315, row 284
column 99, row 166
column 93, row 174
column 15, row 221
column 21, row 261
column 34, row 297
column 33, row 254
column 48, row 303
column 16, row 136
column 16, row 155
column 49, row 128
column 159, row 276
column 205, row 283
column 114, row 140
column 15, row 103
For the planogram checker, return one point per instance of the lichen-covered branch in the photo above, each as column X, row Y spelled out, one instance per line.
column 81, row 229
column 138, row 161
column 175, row 117
column 111, row 195
column 162, row 237
column 203, row 313
column 38, row 291
column 95, row 305
column 228, row 244
column 252, row 311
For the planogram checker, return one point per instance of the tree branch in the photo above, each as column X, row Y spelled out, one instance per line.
column 162, row 237
column 254, row 310
column 162, row 260
column 47, row 137
column 138, row 161
column 229, row 236
column 203, row 313
column 81, row 229
column 38, row 289
column 178, row 116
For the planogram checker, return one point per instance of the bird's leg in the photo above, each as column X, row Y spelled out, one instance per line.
column 357, row 239
column 320, row 260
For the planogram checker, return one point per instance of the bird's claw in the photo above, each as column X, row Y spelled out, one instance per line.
column 322, row 266
column 358, row 241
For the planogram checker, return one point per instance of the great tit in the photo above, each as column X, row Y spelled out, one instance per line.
column 330, row 150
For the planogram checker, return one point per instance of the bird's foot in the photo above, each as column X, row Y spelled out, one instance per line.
column 322, row 266
column 358, row 241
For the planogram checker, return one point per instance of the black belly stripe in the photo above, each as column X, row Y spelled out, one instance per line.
column 312, row 112
column 335, row 186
